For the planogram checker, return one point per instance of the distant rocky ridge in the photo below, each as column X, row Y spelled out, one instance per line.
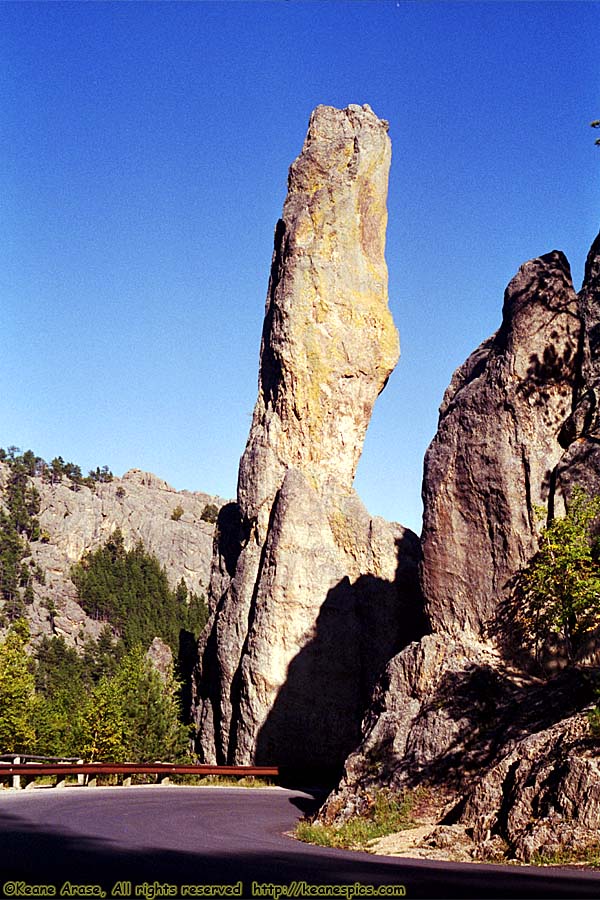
column 141, row 505
column 309, row 594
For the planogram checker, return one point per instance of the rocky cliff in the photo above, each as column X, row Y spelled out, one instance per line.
column 508, row 753
column 493, row 458
column 580, row 434
column 310, row 595
column 74, row 519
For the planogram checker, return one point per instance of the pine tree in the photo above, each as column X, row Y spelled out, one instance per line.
column 130, row 589
column 150, row 703
column 103, row 724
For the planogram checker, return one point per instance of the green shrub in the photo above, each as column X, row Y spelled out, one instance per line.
column 210, row 513
column 558, row 591
column 386, row 815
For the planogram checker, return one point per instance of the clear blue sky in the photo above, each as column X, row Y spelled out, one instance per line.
column 144, row 153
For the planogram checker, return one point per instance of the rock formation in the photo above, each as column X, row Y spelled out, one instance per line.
column 75, row 519
column 492, row 460
column 543, row 796
column 310, row 596
column 580, row 433
column 509, row 754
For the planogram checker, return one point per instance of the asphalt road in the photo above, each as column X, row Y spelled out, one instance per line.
column 157, row 837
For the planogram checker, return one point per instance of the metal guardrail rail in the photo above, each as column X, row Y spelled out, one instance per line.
column 31, row 769
column 163, row 771
column 21, row 757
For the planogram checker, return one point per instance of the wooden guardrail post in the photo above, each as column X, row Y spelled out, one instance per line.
column 80, row 777
column 61, row 781
column 16, row 779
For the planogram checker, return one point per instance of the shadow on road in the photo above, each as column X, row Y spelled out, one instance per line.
column 37, row 855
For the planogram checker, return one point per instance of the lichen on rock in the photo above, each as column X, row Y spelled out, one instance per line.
column 310, row 595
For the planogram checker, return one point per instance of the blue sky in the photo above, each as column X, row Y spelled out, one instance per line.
column 144, row 151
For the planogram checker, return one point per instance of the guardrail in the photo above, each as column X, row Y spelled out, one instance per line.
column 17, row 770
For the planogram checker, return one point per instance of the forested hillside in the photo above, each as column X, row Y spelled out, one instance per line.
column 101, row 605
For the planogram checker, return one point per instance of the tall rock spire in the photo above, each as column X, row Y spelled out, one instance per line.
column 329, row 343
column 310, row 596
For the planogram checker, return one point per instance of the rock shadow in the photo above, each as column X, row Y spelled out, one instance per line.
column 206, row 677
column 315, row 721
column 476, row 713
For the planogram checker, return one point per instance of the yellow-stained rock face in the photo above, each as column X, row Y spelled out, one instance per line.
column 310, row 595
column 329, row 343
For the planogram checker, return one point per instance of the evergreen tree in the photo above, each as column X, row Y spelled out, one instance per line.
column 18, row 525
column 195, row 611
column 210, row 513
column 101, row 658
column 12, row 551
column 133, row 715
column 59, row 668
column 65, row 682
column 153, row 730
column 130, row 589
column 62, row 690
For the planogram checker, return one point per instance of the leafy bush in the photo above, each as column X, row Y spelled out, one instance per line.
column 17, row 692
column 134, row 715
column 105, row 706
column 210, row 513
column 558, row 591
column 177, row 513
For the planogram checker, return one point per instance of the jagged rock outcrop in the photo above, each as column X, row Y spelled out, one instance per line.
column 493, row 457
column 419, row 726
column 580, row 434
column 506, row 756
column 543, row 796
column 74, row 519
column 510, row 755
column 310, row 595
